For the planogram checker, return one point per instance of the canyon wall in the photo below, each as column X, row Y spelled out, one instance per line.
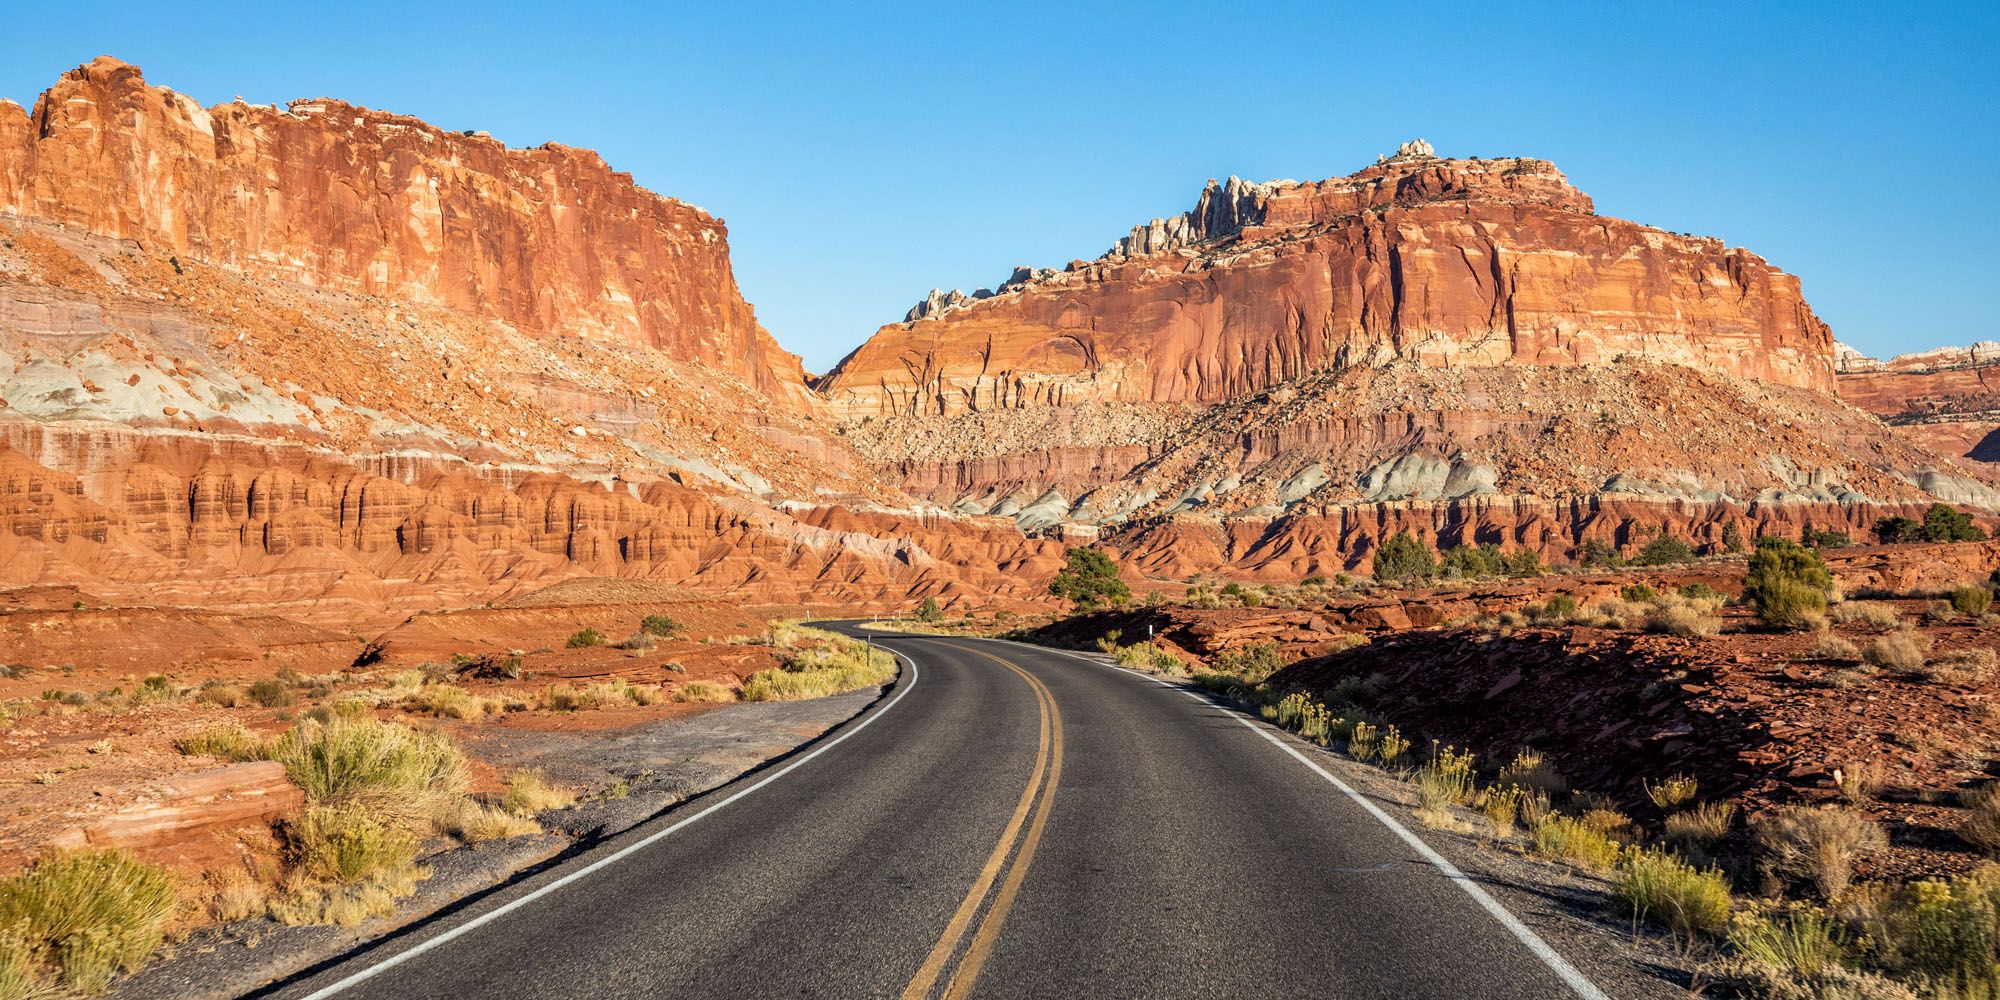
column 1947, row 400
column 1442, row 262
column 550, row 240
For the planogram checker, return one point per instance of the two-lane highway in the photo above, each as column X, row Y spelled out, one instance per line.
column 1007, row 822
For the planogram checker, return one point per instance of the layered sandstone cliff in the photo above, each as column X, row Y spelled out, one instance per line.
column 1948, row 399
column 1444, row 262
column 550, row 240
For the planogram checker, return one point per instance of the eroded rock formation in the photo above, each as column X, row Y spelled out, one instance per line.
column 1947, row 400
column 1448, row 263
column 550, row 240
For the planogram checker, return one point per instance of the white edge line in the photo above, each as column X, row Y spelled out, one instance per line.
column 651, row 838
column 1570, row 975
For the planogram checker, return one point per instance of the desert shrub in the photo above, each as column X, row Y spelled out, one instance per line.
column 1960, row 667
column 1873, row 614
column 347, row 842
column 78, row 919
column 1089, row 580
column 1638, row 593
column 1803, row 943
column 389, row 770
column 1501, row 806
column 1819, row 847
column 1444, row 781
column 928, row 611
column 1148, row 656
column 1392, row 747
column 703, row 691
column 639, row 641
column 1682, row 620
column 225, row 741
column 1672, row 792
column 271, row 693
column 1666, row 890
column 1108, row 642
column 1565, row 839
column 1363, row 741
column 1981, row 827
column 1787, row 583
column 1533, row 773
column 1402, row 557
column 221, row 695
column 659, row 625
column 1700, row 826
column 1596, row 553
column 1833, row 647
column 1665, row 550
column 1732, row 539
column 528, row 793
column 447, row 701
column 830, row 664
column 1560, row 608
column 1890, row 530
column 1703, row 592
column 1827, row 538
column 584, row 638
column 1901, row 651
column 1253, row 663
column 1973, row 601
column 1610, row 822
column 1944, row 523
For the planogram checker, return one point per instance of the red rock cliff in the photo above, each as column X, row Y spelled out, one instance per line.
column 1947, row 399
column 1445, row 262
column 551, row 239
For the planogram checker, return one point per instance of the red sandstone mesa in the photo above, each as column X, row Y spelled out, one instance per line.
column 1448, row 262
column 549, row 239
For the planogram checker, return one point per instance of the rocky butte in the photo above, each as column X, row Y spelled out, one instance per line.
column 345, row 364
column 1444, row 262
column 1285, row 373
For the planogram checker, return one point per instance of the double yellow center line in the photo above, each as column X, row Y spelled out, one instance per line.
column 1033, row 812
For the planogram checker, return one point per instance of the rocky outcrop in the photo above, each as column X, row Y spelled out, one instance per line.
column 550, row 240
column 1947, row 399
column 1438, row 261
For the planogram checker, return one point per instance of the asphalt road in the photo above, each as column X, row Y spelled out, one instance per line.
column 1005, row 822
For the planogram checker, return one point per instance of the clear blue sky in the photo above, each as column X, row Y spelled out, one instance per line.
column 864, row 154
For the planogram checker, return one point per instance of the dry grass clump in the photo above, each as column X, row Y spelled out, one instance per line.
column 639, row 641
column 1833, row 647
column 347, row 905
column 1571, row 840
column 1149, row 657
column 1666, row 890
column 704, row 691
column 1501, row 807
column 1860, row 782
column 1776, row 956
column 1700, row 826
column 823, row 664
column 390, row 769
column 1981, row 827
column 1960, row 667
column 529, row 793
column 225, row 741
column 1819, row 846
column 347, row 842
column 1873, row 614
column 1899, row 651
column 474, row 823
column 1682, row 620
column 233, row 896
column 615, row 693
column 73, row 921
column 451, row 702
